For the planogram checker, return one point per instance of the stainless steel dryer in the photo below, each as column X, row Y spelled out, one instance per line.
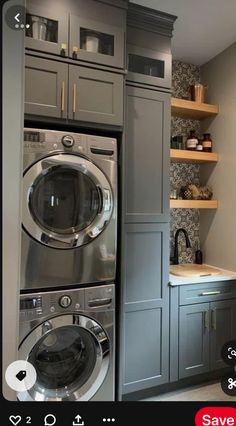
column 68, row 336
column 69, row 209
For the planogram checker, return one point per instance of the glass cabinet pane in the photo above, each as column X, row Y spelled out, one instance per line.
column 41, row 28
column 147, row 66
column 96, row 42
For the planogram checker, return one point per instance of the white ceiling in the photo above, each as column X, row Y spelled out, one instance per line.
column 203, row 29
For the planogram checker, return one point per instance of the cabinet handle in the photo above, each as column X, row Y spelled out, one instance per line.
column 63, row 97
column 213, row 319
column 210, row 293
column 206, row 321
column 74, row 98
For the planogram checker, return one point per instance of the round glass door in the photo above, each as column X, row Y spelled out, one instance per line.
column 64, row 200
column 67, row 201
column 69, row 359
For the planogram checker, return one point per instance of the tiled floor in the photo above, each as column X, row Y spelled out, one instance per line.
column 206, row 392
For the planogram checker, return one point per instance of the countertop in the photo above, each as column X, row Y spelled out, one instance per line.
column 225, row 275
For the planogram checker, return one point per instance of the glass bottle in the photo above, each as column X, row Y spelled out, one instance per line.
column 199, row 145
column 207, row 142
column 192, row 141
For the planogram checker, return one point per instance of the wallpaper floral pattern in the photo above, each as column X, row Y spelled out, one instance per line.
column 183, row 75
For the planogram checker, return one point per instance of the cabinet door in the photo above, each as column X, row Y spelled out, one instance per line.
column 46, row 87
column 194, row 323
column 147, row 155
column 146, row 316
column 48, row 29
column 95, row 96
column 223, row 320
column 149, row 67
column 96, row 41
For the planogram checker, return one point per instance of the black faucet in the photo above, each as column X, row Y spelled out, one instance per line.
column 175, row 258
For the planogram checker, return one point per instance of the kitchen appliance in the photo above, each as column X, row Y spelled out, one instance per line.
column 69, row 217
column 68, row 336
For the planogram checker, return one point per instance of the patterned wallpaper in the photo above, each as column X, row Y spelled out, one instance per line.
column 183, row 75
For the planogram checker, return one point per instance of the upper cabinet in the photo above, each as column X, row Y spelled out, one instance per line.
column 95, row 41
column 148, row 46
column 84, row 30
column 48, row 30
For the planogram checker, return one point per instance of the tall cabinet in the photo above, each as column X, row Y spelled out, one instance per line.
column 144, row 336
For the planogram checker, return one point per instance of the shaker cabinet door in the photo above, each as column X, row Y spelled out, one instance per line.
column 46, row 87
column 48, row 29
column 147, row 156
column 194, row 343
column 95, row 96
column 96, row 41
column 223, row 320
column 145, row 272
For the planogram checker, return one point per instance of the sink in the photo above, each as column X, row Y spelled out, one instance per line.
column 193, row 270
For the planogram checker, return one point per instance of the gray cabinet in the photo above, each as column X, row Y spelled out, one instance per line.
column 55, row 89
column 193, row 339
column 48, row 29
column 95, row 96
column 146, row 318
column 203, row 330
column 97, row 41
column 147, row 155
column 149, row 67
column 46, row 87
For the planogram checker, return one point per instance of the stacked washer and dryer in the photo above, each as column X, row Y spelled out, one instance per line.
column 68, row 265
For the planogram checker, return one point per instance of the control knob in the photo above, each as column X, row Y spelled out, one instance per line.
column 68, row 141
column 65, row 301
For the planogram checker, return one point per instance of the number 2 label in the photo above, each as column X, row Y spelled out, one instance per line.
column 28, row 420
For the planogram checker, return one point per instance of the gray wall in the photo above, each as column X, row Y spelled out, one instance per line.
column 13, row 56
column 218, row 229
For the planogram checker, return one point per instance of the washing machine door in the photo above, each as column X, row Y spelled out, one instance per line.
column 67, row 201
column 71, row 356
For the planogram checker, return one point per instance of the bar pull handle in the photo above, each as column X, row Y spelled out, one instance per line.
column 74, row 98
column 206, row 320
column 210, row 293
column 213, row 319
column 63, row 96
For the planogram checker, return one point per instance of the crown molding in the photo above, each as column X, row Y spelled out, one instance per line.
column 150, row 20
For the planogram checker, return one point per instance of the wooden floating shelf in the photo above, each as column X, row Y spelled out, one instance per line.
column 185, row 156
column 193, row 204
column 192, row 110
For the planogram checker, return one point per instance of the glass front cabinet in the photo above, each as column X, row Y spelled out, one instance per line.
column 94, row 41
column 148, row 66
column 46, row 30
column 73, row 34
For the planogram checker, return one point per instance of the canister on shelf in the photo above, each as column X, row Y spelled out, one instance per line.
column 192, row 141
column 207, row 142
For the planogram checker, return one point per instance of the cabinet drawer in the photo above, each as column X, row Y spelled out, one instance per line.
column 207, row 292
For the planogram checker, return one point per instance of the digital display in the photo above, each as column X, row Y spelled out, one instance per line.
column 31, row 303
column 34, row 136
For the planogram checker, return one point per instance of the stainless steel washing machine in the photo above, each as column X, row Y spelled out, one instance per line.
column 69, row 209
column 68, row 336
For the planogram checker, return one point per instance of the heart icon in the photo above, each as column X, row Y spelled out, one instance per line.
column 15, row 420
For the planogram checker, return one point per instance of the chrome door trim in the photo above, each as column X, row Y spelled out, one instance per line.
column 76, row 239
column 70, row 393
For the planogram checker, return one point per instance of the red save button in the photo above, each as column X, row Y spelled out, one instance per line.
column 216, row 416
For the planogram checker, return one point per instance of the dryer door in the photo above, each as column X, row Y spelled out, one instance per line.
column 67, row 201
column 71, row 356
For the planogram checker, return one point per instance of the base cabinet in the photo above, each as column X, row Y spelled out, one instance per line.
column 203, row 330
